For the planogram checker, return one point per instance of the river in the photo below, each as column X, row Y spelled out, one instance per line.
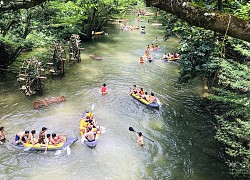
column 184, row 146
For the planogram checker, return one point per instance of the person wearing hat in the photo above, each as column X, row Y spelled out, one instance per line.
column 20, row 137
column 2, row 135
column 41, row 136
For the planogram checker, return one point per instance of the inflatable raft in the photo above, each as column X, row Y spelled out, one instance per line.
column 41, row 147
column 103, row 93
column 98, row 130
column 142, row 100
column 173, row 59
column 150, row 59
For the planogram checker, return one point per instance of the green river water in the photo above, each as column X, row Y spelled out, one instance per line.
column 184, row 146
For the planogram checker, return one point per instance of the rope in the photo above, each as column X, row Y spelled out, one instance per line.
column 222, row 52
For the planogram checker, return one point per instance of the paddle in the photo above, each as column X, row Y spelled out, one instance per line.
column 92, row 109
column 132, row 129
column 68, row 151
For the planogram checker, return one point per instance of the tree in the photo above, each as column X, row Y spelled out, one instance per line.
column 221, row 22
column 16, row 5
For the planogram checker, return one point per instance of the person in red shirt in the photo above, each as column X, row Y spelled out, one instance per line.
column 55, row 139
column 103, row 89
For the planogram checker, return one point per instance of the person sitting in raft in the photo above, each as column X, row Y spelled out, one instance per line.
column 134, row 90
column 48, row 139
column 90, row 135
column 140, row 138
column 31, row 139
column 41, row 136
column 148, row 48
column 152, row 98
column 83, row 125
column 164, row 56
column 86, row 114
column 150, row 58
column 141, row 92
column 152, row 46
column 2, row 135
column 141, row 60
column 20, row 137
column 143, row 31
column 170, row 56
column 47, row 142
column 146, row 53
column 103, row 89
column 55, row 139
column 176, row 55
column 145, row 96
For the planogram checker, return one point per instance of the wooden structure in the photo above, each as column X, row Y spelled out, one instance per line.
column 31, row 79
column 57, row 63
column 74, row 49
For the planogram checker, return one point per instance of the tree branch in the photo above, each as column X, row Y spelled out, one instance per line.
column 16, row 5
column 215, row 21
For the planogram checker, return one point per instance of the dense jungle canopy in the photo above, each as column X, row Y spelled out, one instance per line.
column 214, row 44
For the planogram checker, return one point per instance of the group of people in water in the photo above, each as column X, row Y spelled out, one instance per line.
column 23, row 137
column 88, row 127
column 131, row 28
column 170, row 56
column 143, row 94
column 147, row 56
column 153, row 47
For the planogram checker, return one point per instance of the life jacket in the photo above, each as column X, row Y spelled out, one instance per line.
column 83, row 123
column 89, row 114
column 141, row 92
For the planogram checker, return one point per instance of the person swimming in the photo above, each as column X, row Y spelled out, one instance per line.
column 103, row 89
column 139, row 138
column 2, row 135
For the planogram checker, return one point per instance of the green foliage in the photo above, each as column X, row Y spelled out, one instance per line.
column 234, row 75
column 243, row 47
column 196, row 48
column 39, row 39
